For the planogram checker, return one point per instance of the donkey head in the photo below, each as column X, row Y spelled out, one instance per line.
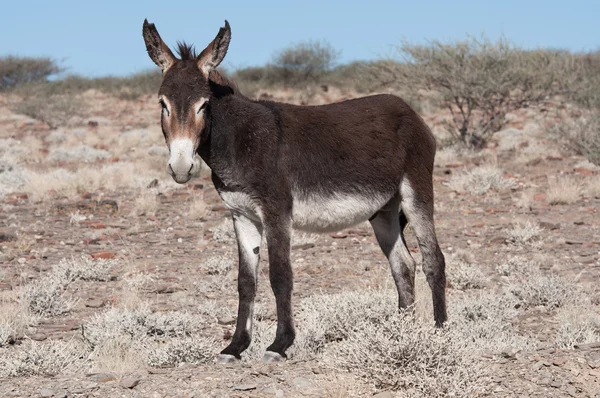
column 185, row 95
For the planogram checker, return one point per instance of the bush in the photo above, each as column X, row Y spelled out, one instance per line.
column 480, row 81
column 15, row 71
column 582, row 135
column 305, row 62
column 54, row 110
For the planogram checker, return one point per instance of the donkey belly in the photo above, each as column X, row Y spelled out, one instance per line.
column 316, row 213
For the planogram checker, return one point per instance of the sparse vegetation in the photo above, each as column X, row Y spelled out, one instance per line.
column 17, row 71
column 480, row 180
column 524, row 234
column 563, row 190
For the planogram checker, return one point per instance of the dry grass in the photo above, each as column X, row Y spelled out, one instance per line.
column 577, row 325
column 563, row 190
column 548, row 291
column 197, row 209
column 15, row 318
column 480, row 180
column 173, row 352
column 399, row 352
column 47, row 297
column 47, row 358
column 118, row 355
column 527, row 234
column 463, row 275
column 593, row 187
column 525, row 199
column 146, row 204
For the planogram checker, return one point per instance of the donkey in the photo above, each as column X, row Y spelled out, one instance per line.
column 278, row 166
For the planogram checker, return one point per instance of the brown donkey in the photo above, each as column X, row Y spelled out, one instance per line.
column 315, row 168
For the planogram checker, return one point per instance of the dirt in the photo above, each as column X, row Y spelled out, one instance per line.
column 170, row 247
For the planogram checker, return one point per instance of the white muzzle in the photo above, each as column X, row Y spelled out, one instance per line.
column 182, row 163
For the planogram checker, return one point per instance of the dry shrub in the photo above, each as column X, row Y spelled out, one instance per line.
column 518, row 267
column 197, row 209
column 15, row 319
column 46, row 296
column 479, row 81
column 548, row 291
column 581, row 136
column 54, row 110
column 399, row 352
column 223, row 232
column 146, row 204
column 463, row 275
column 480, row 180
column 47, row 358
column 593, row 187
column 135, row 336
column 84, row 268
column 484, row 321
column 525, row 234
column 563, row 190
column 17, row 71
column 217, row 265
column 173, row 352
column 577, row 325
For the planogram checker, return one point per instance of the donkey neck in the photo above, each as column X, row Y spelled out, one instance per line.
column 232, row 119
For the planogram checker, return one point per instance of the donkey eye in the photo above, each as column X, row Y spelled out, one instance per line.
column 202, row 107
column 164, row 106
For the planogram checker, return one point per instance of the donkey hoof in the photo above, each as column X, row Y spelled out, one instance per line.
column 272, row 357
column 226, row 358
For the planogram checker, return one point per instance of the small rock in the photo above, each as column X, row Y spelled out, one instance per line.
column 245, row 387
column 153, row 183
column 129, row 381
column 339, row 236
column 46, row 392
column 559, row 361
column 301, row 382
column 385, row 394
column 103, row 255
column 38, row 336
column 164, row 288
column 225, row 320
column 94, row 303
column 103, row 377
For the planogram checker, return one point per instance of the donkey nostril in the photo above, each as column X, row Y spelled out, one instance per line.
column 171, row 168
column 190, row 170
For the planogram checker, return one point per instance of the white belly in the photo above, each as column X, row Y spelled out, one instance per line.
column 332, row 213
column 315, row 213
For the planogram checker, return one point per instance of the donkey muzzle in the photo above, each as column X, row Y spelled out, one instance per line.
column 182, row 163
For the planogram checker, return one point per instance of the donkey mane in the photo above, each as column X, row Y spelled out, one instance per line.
column 186, row 52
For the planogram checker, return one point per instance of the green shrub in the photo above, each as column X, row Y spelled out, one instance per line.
column 15, row 71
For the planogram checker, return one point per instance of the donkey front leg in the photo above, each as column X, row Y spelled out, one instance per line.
column 278, row 232
column 249, row 235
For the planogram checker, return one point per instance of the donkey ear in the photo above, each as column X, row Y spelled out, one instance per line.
column 214, row 53
column 158, row 51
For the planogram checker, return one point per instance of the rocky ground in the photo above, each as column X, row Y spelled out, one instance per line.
column 164, row 237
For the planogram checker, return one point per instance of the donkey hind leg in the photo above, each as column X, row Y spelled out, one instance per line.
column 249, row 235
column 278, row 233
column 417, row 204
column 388, row 227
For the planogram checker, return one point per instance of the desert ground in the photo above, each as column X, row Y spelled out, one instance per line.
column 117, row 282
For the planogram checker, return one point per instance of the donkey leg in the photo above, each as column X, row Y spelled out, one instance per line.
column 388, row 231
column 281, row 277
column 417, row 204
column 249, row 235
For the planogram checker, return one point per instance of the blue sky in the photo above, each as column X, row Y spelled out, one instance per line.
column 103, row 37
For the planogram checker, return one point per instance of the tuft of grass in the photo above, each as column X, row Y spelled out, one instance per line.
column 121, row 354
column 15, row 319
column 550, row 292
column 524, row 234
column 480, row 180
column 217, row 265
column 399, row 352
column 464, row 276
column 146, row 204
column 44, row 359
column 46, row 297
column 174, row 352
column 197, row 209
column 84, row 268
column 577, row 325
column 563, row 190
